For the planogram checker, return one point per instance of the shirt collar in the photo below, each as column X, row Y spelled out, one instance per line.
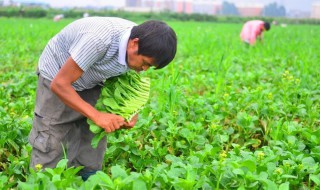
column 123, row 46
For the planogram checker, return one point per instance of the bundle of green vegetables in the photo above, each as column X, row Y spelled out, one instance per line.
column 124, row 95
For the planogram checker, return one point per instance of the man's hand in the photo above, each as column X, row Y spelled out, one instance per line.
column 109, row 122
column 129, row 125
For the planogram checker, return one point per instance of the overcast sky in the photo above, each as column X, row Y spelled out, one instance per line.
column 82, row 3
column 304, row 5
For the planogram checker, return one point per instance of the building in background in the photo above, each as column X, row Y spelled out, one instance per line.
column 250, row 9
column 245, row 8
column 183, row 6
column 210, row 7
column 315, row 10
column 295, row 13
column 149, row 5
column 25, row 3
column 135, row 3
column 207, row 7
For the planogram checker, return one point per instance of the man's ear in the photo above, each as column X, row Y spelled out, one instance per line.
column 135, row 41
column 135, row 44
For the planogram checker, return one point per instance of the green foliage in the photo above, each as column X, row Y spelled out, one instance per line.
column 32, row 12
column 60, row 177
column 9, row 11
column 123, row 95
column 221, row 116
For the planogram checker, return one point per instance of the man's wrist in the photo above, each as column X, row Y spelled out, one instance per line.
column 92, row 113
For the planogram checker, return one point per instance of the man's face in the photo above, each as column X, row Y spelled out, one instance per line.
column 135, row 61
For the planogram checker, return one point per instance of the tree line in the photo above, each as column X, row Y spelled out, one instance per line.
column 229, row 15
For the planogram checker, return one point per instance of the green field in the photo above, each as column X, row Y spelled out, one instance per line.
column 221, row 116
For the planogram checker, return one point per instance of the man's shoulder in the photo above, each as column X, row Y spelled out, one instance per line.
column 114, row 20
column 99, row 25
column 253, row 24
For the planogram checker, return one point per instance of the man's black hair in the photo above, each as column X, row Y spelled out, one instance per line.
column 156, row 40
column 267, row 25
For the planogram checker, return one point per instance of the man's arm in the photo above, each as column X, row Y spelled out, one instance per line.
column 260, row 37
column 259, row 32
column 61, row 85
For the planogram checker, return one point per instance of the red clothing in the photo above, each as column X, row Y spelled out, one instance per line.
column 251, row 30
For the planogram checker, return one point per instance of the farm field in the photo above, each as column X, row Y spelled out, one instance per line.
column 221, row 116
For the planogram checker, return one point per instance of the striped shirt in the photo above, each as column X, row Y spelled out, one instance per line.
column 98, row 46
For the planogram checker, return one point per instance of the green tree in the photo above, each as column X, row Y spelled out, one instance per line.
column 229, row 9
column 274, row 10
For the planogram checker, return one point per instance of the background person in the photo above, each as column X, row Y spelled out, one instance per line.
column 72, row 69
column 253, row 30
column 85, row 15
column 57, row 18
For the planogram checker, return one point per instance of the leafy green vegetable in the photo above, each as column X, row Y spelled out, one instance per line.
column 124, row 95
